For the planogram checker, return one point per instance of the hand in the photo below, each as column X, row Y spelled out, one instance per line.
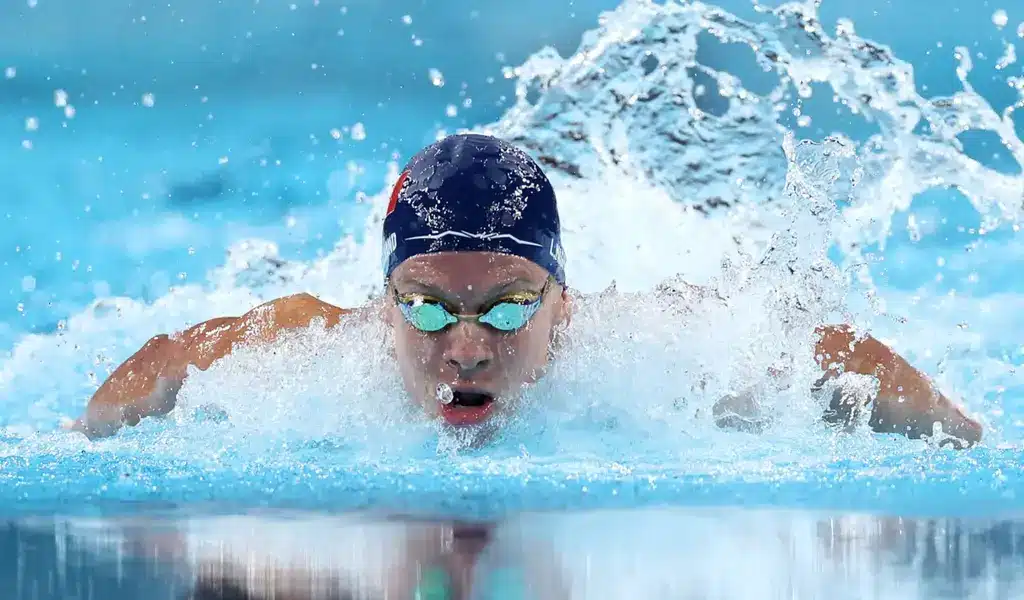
column 740, row 412
column 91, row 428
column 72, row 425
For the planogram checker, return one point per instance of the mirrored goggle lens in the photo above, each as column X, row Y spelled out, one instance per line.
column 509, row 316
column 427, row 316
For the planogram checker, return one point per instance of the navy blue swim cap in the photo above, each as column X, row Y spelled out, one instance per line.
column 472, row 192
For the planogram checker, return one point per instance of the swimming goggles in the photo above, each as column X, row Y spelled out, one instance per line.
column 507, row 313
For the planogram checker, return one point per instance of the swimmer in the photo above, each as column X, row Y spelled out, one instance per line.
column 475, row 291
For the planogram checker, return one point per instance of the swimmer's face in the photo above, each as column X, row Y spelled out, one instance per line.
column 484, row 366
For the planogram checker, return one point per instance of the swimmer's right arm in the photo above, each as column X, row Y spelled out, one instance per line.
column 147, row 384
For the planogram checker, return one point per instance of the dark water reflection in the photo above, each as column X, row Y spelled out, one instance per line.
column 628, row 554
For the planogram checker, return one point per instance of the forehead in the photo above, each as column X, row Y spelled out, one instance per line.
column 467, row 270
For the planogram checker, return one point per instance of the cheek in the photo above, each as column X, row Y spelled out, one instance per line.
column 415, row 351
column 529, row 350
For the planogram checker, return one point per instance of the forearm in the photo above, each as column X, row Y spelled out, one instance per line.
column 147, row 384
column 144, row 385
column 907, row 401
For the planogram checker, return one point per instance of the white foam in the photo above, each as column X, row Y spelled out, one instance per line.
column 650, row 187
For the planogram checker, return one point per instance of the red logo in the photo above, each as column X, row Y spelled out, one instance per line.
column 396, row 192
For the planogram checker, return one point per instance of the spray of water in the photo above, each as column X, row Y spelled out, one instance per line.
column 657, row 194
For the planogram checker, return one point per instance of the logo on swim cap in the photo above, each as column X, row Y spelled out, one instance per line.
column 399, row 185
column 388, row 248
column 472, row 192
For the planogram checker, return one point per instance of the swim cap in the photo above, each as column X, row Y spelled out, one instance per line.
column 473, row 193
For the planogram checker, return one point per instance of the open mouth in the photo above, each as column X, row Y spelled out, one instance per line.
column 471, row 399
column 468, row 407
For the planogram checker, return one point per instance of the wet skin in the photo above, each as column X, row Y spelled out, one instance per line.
column 478, row 361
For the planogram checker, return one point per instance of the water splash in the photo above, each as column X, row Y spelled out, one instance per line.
column 654, row 189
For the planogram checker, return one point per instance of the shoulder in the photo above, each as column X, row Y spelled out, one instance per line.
column 297, row 310
column 264, row 322
column 206, row 342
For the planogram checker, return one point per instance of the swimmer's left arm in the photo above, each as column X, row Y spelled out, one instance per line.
column 907, row 401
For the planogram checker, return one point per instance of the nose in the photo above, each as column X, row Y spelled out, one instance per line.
column 468, row 351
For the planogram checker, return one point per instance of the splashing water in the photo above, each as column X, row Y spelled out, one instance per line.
column 658, row 190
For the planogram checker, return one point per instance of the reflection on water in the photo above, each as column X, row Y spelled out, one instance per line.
column 629, row 554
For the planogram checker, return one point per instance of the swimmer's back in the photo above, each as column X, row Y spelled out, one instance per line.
column 148, row 382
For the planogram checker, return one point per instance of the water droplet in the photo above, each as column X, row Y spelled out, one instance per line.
column 1020, row 31
column 803, row 121
column 358, row 132
column 1008, row 58
column 445, row 394
column 436, row 77
column 28, row 283
column 69, row 111
column 26, row 144
column 336, row 133
column 60, row 98
column 191, row 251
column 407, row 19
column 1000, row 18
column 31, row 124
column 148, row 100
column 12, row 72
column 963, row 56
column 21, row 307
column 452, row 110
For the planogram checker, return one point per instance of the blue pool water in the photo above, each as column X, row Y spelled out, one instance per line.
column 210, row 157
